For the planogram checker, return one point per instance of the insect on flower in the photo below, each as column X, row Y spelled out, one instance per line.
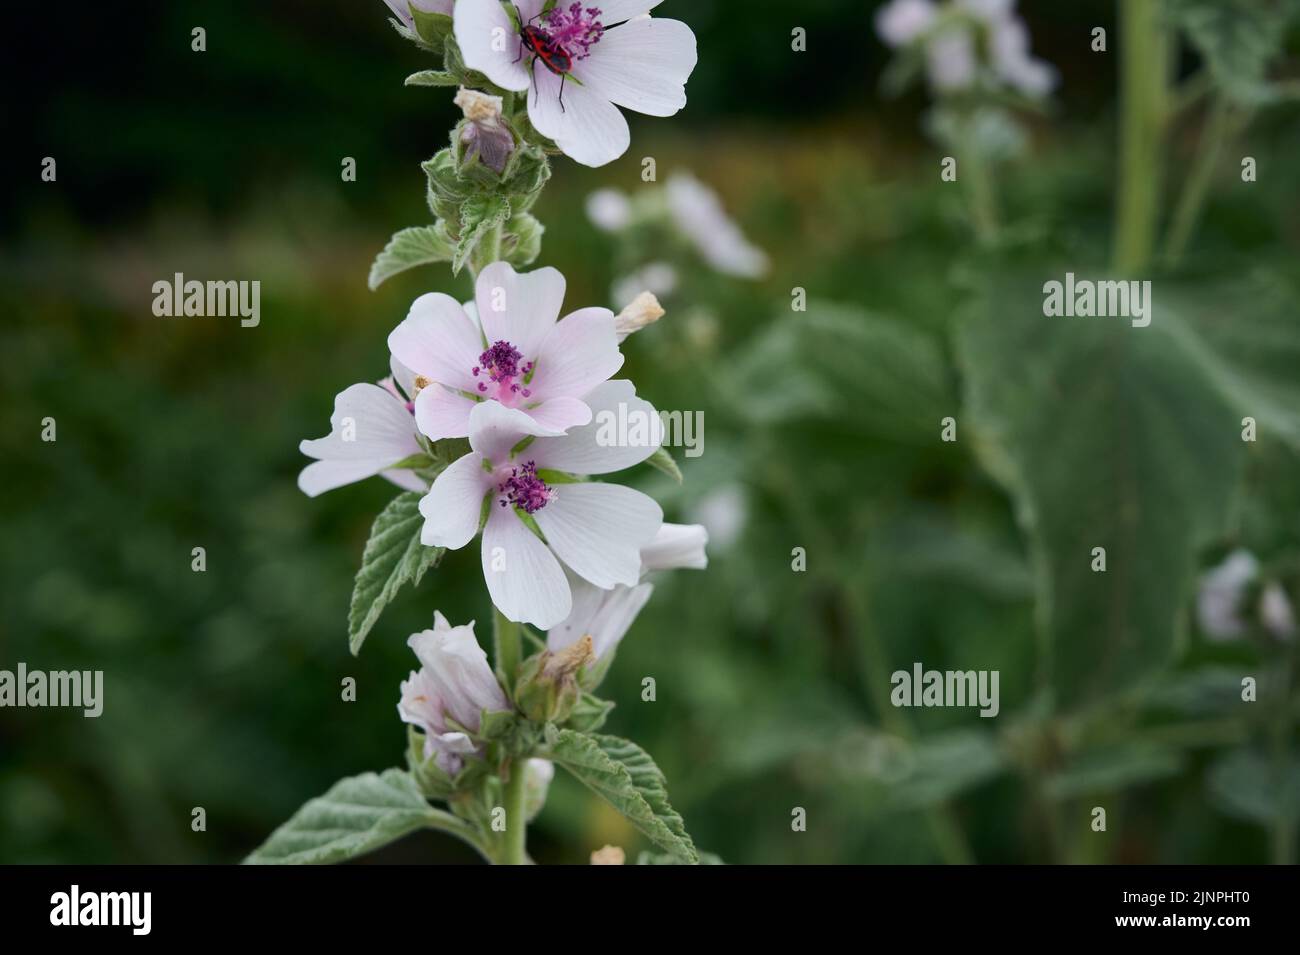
column 563, row 36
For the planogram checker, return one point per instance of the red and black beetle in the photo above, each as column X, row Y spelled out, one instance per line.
column 539, row 43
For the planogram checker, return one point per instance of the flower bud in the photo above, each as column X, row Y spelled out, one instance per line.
column 483, row 136
column 457, row 671
column 609, row 855
column 641, row 311
column 548, row 684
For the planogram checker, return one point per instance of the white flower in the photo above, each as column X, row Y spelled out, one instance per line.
column 402, row 9
column 1219, row 601
column 699, row 215
column 371, row 429
column 902, row 21
column 609, row 209
column 596, row 529
column 512, row 351
column 606, row 615
column 1275, row 611
column 616, row 54
column 454, row 682
column 725, row 512
column 657, row 278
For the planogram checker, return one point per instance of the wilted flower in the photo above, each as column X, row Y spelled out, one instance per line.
column 454, row 682
column 642, row 311
column 606, row 615
column 596, row 529
column 371, row 430
column 483, row 134
column 515, row 354
column 617, row 54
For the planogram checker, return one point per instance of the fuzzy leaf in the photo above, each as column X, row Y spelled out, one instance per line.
column 393, row 556
column 478, row 216
column 357, row 815
column 432, row 78
column 419, row 245
column 626, row 777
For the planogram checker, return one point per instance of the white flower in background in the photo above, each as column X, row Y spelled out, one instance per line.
column 657, row 278
column 606, row 615
column 609, row 210
column 454, row 682
column 699, row 215
column 724, row 512
column 483, row 133
column 537, row 783
column 402, row 9
column 515, row 353
column 1221, row 606
column 951, row 44
column 597, row 530
column 372, row 429
column 617, row 54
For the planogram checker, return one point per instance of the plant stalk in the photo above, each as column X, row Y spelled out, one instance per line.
column 1144, row 95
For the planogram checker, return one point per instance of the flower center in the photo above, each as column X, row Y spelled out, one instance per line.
column 525, row 490
column 574, row 29
column 501, row 366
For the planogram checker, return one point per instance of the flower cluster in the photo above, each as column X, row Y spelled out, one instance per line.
column 967, row 43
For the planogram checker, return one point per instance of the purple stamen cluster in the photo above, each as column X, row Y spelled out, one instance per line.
column 502, row 364
column 574, row 29
column 525, row 490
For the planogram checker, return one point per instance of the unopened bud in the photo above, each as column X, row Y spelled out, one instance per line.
column 641, row 311
column 548, row 684
column 609, row 855
column 483, row 136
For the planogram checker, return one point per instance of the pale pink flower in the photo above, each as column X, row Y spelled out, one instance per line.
column 606, row 615
column 595, row 529
column 372, row 429
column 618, row 55
column 402, row 9
column 511, row 351
column 454, row 682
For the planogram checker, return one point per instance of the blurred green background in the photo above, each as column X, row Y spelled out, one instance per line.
column 223, row 687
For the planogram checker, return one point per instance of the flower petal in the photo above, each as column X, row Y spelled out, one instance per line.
column 406, row 480
column 587, row 127
column 599, row 530
column 625, row 430
column 520, row 308
column 642, row 65
column 490, row 43
column 616, row 11
column 494, row 429
column 604, row 615
column 370, row 430
column 438, row 340
column 677, row 545
column 452, row 507
column 442, row 413
column 579, row 353
column 561, row 414
column 523, row 577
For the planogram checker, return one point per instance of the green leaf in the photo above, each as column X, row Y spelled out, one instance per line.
column 479, row 215
column 432, row 28
column 1106, row 435
column 815, row 364
column 940, row 767
column 419, row 245
column 1239, row 40
column 657, row 858
column 356, row 816
column 432, row 78
column 393, row 556
column 1249, row 785
column 662, row 461
column 589, row 714
column 1114, row 767
column 626, row 777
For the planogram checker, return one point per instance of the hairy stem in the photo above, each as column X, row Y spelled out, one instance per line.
column 513, row 849
column 1144, row 67
column 507, row 649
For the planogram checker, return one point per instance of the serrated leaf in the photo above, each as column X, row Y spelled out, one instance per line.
column 1250, row 785
column 419, row 245
column 432, row 28
column 663, row 462
column 358, row 815
column 432, row 78
column 589, row 713
column 627, row 778
column 393, row 556
column 1106, row 435
column 478, row 216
